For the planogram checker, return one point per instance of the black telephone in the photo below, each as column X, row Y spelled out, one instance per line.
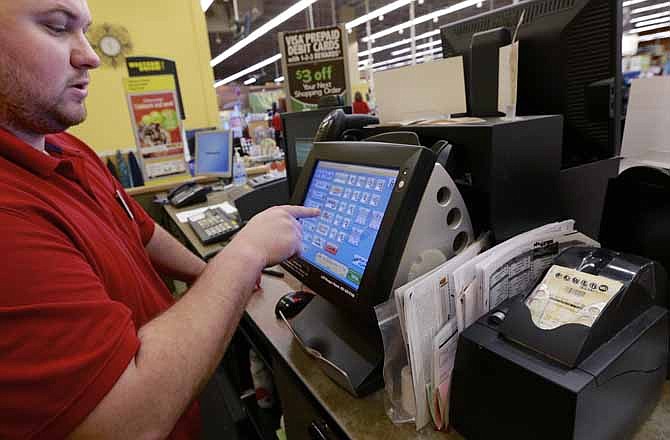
column 338, row 126
column 188, row 194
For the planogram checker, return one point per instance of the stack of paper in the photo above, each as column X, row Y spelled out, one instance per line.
column 425, row 305
column 434, row 308
column 444, row 356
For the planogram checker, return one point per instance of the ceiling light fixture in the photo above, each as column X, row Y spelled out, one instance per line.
column 632, row 2
column 650, row 22
column 395, row 53
column 649, row 17
column 377, row 13
column 648, row 28
column 424, row 18
column 250, row 81
column 656, row 36
column 405, row 57
column 262, row 30
column 374, row 50
column 391, row 66
column 650, row 8
column 279, row 79
column 248, row 70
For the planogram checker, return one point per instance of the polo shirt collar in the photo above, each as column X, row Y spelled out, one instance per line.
column 21, row 153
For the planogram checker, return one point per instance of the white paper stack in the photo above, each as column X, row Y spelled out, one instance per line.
column 424, row 307
column 434, row 308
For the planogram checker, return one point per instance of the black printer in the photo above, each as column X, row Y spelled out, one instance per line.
column 582, row 356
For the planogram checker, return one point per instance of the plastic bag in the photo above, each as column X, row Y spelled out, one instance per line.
column 399, row 391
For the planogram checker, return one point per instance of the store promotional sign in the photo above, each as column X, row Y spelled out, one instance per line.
column 154, row 113
column 315, row 65
column 152, row 66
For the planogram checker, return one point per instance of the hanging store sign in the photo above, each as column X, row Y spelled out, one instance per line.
column 315, row 65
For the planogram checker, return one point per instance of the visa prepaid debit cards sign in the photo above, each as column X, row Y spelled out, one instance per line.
column 314, row 64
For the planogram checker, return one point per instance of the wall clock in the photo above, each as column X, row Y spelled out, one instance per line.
column 111, row 42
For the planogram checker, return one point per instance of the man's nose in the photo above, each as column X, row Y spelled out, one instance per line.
column 83, row 56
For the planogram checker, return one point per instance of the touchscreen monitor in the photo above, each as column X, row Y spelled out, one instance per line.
column 352, row 200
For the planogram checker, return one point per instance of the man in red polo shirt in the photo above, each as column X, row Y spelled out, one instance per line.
column 92, row 344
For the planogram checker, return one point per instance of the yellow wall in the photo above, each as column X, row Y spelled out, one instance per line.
column 173, row 29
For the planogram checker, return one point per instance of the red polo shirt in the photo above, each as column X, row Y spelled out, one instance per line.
column 76, row 285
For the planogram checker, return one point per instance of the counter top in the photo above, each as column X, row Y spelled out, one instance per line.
column 167, row 183
column 365, row 418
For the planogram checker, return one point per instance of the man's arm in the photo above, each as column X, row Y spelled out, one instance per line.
column 182, row 347
column 171, row 258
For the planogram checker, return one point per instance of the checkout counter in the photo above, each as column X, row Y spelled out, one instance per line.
column 513, row 378
column 309, row 397
column 601, row 381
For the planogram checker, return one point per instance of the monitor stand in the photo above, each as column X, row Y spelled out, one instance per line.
column 348, row 348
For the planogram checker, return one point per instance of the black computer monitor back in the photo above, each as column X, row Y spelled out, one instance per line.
column 299, row 130
column 564, row 46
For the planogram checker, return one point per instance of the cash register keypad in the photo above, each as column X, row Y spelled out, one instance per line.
column 215, row 226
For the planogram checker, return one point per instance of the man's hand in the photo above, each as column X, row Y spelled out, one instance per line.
column 274, row 234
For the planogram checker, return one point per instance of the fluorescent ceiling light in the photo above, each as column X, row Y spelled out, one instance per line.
column 205, row 4
column 262, row 30
column 398, row 43
column 377, row 13
column 632, row 2
column 248, row 70
column 424, row 18
column 395, row 53
column 648, row 28
column 656, row 36
column 250, row 81
column 392, row 66
column 650, row 16
column 406, row 63
column 383, row 48
column 406, row 57
column 650, row 8
column 650, row 22
column 279, row 79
